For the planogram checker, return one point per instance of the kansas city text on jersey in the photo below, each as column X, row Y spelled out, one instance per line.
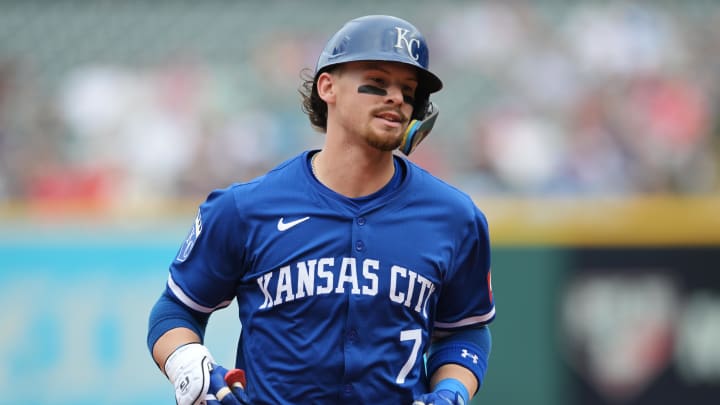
column 327, row 276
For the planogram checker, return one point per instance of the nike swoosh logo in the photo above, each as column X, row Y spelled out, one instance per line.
column 284, row 226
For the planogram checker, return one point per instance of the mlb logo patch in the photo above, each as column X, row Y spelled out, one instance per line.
column 190, row 239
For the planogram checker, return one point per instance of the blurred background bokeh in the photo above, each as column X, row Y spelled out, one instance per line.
column 588, row 131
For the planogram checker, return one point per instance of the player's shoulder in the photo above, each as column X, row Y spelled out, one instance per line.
column 439, row 191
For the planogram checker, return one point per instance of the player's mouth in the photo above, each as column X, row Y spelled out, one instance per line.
column 391, row 118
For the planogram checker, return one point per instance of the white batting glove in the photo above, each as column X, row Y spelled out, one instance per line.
column 188, row 369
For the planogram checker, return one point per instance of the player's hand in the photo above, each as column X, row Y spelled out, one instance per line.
column 224, row 392
column 441, row 397
column 198, row 380
column 188, row 369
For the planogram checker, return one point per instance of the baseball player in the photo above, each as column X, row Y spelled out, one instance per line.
column 359, row 277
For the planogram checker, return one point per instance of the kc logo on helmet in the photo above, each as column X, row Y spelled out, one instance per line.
column 409, row 44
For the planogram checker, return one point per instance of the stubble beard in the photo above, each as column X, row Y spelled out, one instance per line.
column 384, row 141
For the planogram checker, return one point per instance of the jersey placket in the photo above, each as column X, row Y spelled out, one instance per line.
column 353, row 324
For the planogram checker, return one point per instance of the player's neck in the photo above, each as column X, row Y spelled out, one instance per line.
column 351, row 173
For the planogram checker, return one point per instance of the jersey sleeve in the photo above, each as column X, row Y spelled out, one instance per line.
column 208, row 265
column 466, row 300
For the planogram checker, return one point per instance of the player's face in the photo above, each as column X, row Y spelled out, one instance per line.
column 375, row 101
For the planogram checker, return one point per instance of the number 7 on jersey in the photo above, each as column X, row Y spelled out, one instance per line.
column 416, row 336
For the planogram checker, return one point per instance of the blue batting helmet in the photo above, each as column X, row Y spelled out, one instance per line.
column 381, row 38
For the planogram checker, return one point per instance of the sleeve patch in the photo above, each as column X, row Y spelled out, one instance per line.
column 192, row 236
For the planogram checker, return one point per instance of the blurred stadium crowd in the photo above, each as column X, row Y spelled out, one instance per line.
column 120, row 102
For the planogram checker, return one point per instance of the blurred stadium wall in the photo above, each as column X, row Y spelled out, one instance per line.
column 587, row 131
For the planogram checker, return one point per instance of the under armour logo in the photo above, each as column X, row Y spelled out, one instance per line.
column 473, row 356
column 409, row 44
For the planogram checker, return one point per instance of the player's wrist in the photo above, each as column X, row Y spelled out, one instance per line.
column 184, row 357
column 188, row 368
column 453, row 385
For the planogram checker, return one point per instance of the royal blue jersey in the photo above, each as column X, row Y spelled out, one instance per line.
column 338, row 297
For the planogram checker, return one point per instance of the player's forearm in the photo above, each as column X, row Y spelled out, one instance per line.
column 457, row 372
column 460, row 360
column 169, row 341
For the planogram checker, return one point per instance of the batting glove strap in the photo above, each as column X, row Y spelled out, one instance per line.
column 440, row 397
column 188, row 369
column 456, row 387
column 468, row 355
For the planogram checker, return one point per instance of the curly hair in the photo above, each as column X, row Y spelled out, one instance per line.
column 312, row 104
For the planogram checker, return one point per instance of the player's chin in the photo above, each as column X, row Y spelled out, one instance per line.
column 386, row 137
column 387, row 141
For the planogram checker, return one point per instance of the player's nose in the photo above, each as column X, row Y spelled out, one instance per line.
column 394, row 95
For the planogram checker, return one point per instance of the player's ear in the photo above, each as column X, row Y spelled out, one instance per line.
column 326, row 87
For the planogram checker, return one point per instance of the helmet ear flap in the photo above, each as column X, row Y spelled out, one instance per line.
column 421, row 106
column 418, row 129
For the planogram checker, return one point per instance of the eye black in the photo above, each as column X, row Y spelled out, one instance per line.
column 370, row 89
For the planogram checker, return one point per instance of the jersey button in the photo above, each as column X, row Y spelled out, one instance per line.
column 352, row 335
column 348, row 388
column 359, row 246
column 361, row 221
